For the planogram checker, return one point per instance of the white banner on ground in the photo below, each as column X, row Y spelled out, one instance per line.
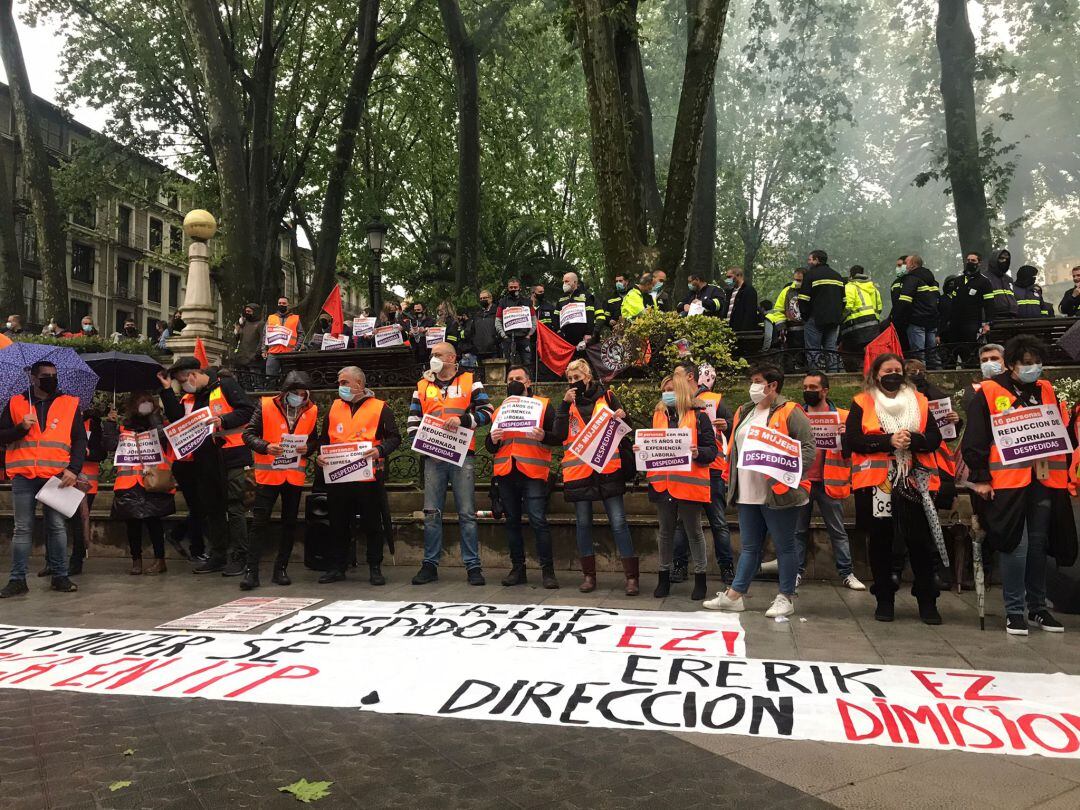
column 240, row 615
column 571, row 666
column 187, row 434
column 518, row 319
column 572, row 313
column 278, row 335
column 826, row 429
column 940, row 410
column 599, row 440
column 1028, row 434
column 771, row 453
column 434, row 335
column 388, row 336
column 666, row 450
column 333, row 343
column 520, row 414
column 293, row 446
column 346, row 462
column 363, row 327
column 434, row 439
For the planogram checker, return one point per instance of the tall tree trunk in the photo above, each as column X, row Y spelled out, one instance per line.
column 705, row 19
column 699, row 248
column 956, row 48
column 1020, row 191
column 264, row 221
column 238, row 283
column 52, row 239
column 466, row 58
column 11, row 277
column 341, row 166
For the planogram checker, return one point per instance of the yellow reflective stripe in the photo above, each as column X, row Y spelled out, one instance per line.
column 539, row 462
column 804, row 297
column 30, row 444
column 927, row 288
column 906, row 298
column 830, row 281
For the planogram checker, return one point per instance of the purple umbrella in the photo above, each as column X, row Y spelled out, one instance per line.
column 75, row 377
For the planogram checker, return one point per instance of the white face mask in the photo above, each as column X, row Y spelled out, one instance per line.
column 757, row 392
column 190, row 387
column 146, row 408
column 436, row 364
column 567, row 288
column 991, row 368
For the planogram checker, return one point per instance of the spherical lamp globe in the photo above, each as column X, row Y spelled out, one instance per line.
column 200, row 224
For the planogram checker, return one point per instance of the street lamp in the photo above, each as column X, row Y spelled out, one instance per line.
column 376, row 236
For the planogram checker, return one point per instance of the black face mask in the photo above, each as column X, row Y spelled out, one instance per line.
column 249, row 316
column 516, row 388
column 130, row 331
column 971, row 268
column 282, row 310
column 47, row 384
column 891, row 382
column 811, row 397
column 580, row 387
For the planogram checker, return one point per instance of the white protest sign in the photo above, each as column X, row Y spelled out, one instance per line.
column 940, row 410
column 150, row 452
column 572, row 313
column 772, row 454
column 363, row 327
column 127, row 451
column 388, row 336
column 293, row 445
column 518, row 318
column 664, row 450
column 331, row 343
column 347, row 462
column 696, row 308
column 882, row 503
column 434, row 439
column 1028, row 434
column 710, row 409
column 187, row 434
column 240, row 615
column 598, row 441
column 826, row 429
column 519, row 414
column 278, row 335
column 434, row 335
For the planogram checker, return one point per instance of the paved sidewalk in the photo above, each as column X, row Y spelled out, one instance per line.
column 62, row 749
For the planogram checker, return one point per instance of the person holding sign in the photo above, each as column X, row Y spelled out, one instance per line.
column 514, row 324
column 282, row 435
column 889, row 431
column 829, row 477
column 457, row 398
column 137, row 499
column 522, row 463
column 357, row 416
column 583, row 484
column 282, row 334
column 1018, row 455
column 680, row 494
column 575, row 313
column 771, row 447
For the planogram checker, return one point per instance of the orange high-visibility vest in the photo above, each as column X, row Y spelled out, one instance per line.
column 778, row 421
column 346, row 426
column 837, row 471
column 682, row 486
column 721, row 461
column 573, row 468
column 453, row 401
column 872, row 469
column 128, row 477
column 219, row 406
column 45, row 450
column 530, row 455
column 274, row 426
column 91, row 469
column 1014, row 476
column 292, row 323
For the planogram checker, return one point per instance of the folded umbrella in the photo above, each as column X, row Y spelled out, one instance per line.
column 122, row 373
column 74, row 376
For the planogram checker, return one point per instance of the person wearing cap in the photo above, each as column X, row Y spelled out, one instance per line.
column 290, row 413
column 220, row 463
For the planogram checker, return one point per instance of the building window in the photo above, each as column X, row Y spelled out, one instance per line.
column 151, row 328
column 174, row 201
column 82, row 263
column 157, row 234
column 176, row 239
column 174, row 291
column 32, row 299
column 84, row 213
column 123, row 278
column 51, row 134
column 29, row 241
column 123, row 225
column 153, row 285
column 79, row 310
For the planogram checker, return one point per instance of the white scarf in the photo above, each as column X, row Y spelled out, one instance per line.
column 898, row 413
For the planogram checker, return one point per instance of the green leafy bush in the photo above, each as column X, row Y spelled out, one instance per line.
column 97, row 344
column 711, row 340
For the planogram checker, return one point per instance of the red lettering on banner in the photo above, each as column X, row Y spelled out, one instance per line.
column 1027, row 723
column 994, row 740
column 34, row 670
column 97, row 669
column 973, row 692
column 673, row 645
column 628, row 634
column 281, row 674
column 126, row 676
column 849, row 725
column 241, row 666
column 190, row 675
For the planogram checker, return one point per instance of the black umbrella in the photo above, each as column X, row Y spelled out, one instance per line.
column 122, row 373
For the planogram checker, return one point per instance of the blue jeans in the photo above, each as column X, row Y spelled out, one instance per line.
column 517, row 490
column 437, row 476
column 721, row 534
column 922, row 344
column 819, row 338
column 616, row 513
column 23, row 492
column 832, row 512
column 755, row 521
column 1023, row 570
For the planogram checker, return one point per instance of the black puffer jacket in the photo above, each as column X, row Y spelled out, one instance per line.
column 598, row 485
column 136, row 503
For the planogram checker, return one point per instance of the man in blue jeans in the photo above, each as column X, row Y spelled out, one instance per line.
column 822, row 299
column 916, row 311
column 457, row 398
column 522, row 463
column 45, row 438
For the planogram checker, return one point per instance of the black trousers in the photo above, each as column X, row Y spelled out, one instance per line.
column 154, row 528
column 78, row 540
column 344, row 502
column 265, row 498
column 907, row 525
column 187, row 479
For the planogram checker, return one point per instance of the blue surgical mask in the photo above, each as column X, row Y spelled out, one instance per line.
column 620, row 286
column 296, row 400
column 345, row 392
column 1029, row 374
column 669, row 398
column 991, row 368
column 691, row 288
column 658, row 286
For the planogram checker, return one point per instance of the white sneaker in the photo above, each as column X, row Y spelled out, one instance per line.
column 770, row 567
column 781, row 606
column 724, row 602
column 851, row 581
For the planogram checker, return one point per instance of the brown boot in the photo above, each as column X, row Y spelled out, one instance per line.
column 630, row 568
column 588, row 570
column 156, row 567
column 136, row 566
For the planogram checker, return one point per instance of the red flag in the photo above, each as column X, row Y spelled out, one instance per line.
column 888, row 342
column 555, row 353
column 200, row 353
column 332, row 307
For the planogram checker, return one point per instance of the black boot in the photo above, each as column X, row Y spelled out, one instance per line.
column 700, row 590
column 375, row 575
column 886, row 609
column 928, row 611
column 548, row 574
column 663, row 585
column 281, row 575
column 251, row 579
column 75, row 565
column 517, row 576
